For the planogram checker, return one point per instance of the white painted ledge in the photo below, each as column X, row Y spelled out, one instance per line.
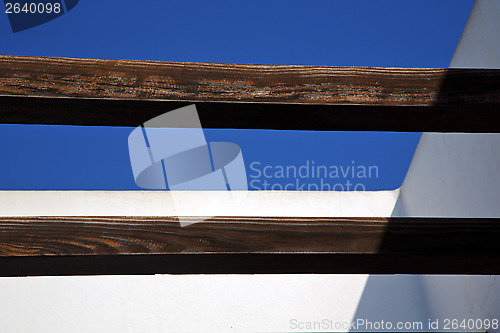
column 198, row 203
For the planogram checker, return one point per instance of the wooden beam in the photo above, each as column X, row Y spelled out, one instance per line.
column 127, row 93
column 203, row 82
column 249, row 263
column 98, row 112
column 248, row 245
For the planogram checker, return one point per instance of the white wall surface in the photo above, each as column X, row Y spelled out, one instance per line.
column 175, row 303
column 453, row 175
column 459, row 175
column 239, row 303
column 479, row 46
column 198, row 203
column 463, row 297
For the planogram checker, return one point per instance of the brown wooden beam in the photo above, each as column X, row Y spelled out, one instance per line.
column 127, row 93
column 132, row 113
column 203, row 82
column 251, row 245
column 249, row 263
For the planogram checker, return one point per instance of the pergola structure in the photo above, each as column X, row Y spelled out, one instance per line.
column 51, row 233
column 443, row 219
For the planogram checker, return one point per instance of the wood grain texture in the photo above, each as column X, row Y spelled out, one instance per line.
column 58, row 91
column 127, row 93
column 203, row 82
column 245, row 241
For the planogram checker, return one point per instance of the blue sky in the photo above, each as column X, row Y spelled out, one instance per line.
column 393, row 33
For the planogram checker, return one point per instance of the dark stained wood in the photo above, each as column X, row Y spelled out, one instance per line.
column 36, row 90
column 197, row 82
column 249, row 263
column 246, row 241
column 127, row 93
column 98, row 112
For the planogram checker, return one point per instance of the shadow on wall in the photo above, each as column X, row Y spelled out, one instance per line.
column 388, row 302
column 425, row 302
column 451, row 175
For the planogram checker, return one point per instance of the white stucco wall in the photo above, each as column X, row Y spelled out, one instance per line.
column 463, row 297
column 176, row 303
column 459, row 175
column 479, row 46
column 198, row 203
column 453, row 175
